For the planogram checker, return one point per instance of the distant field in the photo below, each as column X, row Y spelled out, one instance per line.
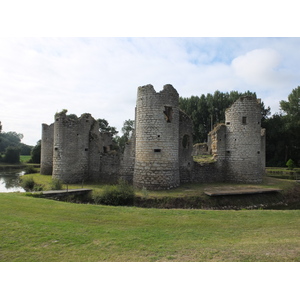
column 24, row 158
column 34, row 229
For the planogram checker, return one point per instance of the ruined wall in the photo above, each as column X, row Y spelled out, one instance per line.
column 128, row 160
column 185, row 147
column 47, row 149
column 109, row 167
column 157, row 136
column 243, row 141
column 75, row 142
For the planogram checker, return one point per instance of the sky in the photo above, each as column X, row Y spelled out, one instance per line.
column 42, row 76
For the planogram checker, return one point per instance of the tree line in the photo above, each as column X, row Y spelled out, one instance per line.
column 282, row 129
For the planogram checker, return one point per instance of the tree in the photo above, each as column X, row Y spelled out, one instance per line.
column 36, row 153
column 10, row 138
column 127, row 129
column 12, row 155
column 207, row 111
column 291, row 117
column 104, row 127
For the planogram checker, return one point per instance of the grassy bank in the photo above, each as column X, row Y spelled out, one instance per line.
column 34, row 229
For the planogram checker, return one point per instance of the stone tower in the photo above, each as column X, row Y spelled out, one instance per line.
column 157, row 138
column 47, row 149
column 76, row 148
column 244, row 150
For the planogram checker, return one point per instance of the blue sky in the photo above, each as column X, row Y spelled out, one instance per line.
column 91, row 58
column 42, row 76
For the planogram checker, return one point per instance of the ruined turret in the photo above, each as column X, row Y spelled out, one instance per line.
column 157, row 138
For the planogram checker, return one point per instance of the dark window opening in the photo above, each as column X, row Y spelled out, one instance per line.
column 168, row 114
column 157, row 150
column 55, row 148
column 158, row 135
column 244, row 120
column 186, row 141
column 104, row 149
column 86, row 149
column 258, row 152
column 228, row 151
column 227, row 123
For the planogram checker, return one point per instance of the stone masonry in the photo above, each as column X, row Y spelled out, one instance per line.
column 159, row 153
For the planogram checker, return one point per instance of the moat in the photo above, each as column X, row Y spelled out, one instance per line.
column 10, row 180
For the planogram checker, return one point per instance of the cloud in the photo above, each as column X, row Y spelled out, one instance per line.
column 258, row 67
column 41, row 76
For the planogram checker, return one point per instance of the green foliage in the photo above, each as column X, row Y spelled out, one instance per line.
column 10, row 139
column 29, row 185
column 12, row 155
column 36, row 153
column 207, row 111
column 56, row 184
column 104, row 127
column 127, row 129
column 290, row 164
column 116, row 195
column 30, row 170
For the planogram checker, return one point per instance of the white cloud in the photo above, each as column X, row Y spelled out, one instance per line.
column 258, row 67
column 41, row 76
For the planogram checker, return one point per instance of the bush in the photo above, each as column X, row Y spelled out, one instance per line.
column 12, row 155
column 290, row 164
column 56, row 184
column 30, row 170
column 120, row 194
column 29, row 185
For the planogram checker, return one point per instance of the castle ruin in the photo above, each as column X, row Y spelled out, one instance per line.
column 159, row 153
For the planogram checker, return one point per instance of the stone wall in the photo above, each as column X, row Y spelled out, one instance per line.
column 128, row 160
column 47, row 149
column 159, row 154
column 243, row 141
column 157, row 136
column 109, row 167
column 185, row 147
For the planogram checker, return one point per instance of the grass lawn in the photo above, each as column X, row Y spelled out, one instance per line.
column 34, row 229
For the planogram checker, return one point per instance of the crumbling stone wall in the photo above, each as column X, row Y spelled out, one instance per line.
column 157, row 136
column 128, row 160
column 185, row 147
column 243, row 140
column 47, row 149
column 159, row 153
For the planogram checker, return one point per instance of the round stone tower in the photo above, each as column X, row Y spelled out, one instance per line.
column 244, row 155
column 47, row 149
column 157, row 138
column 71, row 148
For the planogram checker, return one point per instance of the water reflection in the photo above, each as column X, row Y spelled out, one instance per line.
column 10, row 181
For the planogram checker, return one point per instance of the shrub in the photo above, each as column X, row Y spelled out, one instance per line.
column 29, row 185
column 120, row 194
column 30, row 170
column 56, row 184
column 12, row 155
column 290, row 164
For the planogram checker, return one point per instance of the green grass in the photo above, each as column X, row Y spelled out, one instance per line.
column 25, row 158
column 34, row 229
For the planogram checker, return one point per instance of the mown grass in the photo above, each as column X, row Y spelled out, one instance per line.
column 34, row 229
column 185, row 190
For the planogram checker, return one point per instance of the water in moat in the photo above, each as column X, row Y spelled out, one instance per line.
column 10, row 180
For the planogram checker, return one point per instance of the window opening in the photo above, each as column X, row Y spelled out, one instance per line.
column 168, row 114
column 244, row 120
column 157, row 150
column 186, row 141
